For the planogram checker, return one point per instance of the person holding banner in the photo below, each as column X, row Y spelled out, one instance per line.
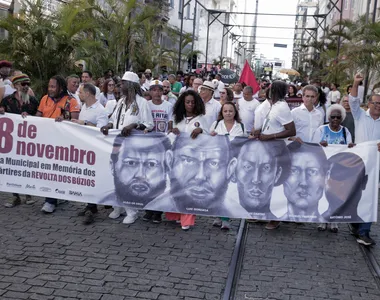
column 59, row 105
column 21, row 103
column 132, row 112
column 333, row 133
column 230, row 124
column 92, row 114
column 367, row 128
column 278, row 123
column 189, row 116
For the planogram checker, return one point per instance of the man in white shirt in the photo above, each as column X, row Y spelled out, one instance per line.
column 86, row 77
column 162, row 111
column 367, row 128
column 72, row 82
column 238, row 91
column 306, row 117
column 92, row 114
column 261, row 113
column 247, row 106
column 219, row 85
column 334, row 95
column 211, row 105
column 167, row 93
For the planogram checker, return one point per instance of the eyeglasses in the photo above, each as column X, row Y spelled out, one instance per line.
column 222, row 93
column 375, row 103
column 336, row 117
column 25, row 83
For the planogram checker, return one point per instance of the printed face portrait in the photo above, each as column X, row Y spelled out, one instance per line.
column 304, row 186
column 346, row 180
column 198, row 171
column 139, row 168
column 256, row 173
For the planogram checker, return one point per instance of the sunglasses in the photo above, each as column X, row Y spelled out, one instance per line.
column 336, row 117
column 25, row 83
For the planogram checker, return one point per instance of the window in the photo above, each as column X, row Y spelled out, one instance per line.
column 345, row 4
column 188, row 11
column 171, row 3
column 180, row 3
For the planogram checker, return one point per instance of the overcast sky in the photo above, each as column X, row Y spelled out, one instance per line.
column 281, row 36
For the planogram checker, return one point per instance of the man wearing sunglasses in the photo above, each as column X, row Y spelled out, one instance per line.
column 21, row 103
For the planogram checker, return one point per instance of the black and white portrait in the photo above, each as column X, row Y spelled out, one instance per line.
column 138, row 167
column 304, row 187
column 257, row 169
column 346, row 181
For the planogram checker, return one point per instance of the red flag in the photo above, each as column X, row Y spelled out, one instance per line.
column 248, row 77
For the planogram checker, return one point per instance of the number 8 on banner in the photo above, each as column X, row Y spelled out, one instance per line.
column 6, row 139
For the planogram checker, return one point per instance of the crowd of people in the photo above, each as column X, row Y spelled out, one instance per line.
column 198, row 106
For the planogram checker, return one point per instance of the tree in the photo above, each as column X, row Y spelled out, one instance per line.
column 43, row 45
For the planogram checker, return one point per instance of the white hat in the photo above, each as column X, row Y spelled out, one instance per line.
column 148, row 71
column 156, row 83
column 208, row 85
column 130, row 76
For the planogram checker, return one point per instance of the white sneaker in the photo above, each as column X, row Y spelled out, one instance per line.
column 322, row 226
column 225, row 225
column 334, row 227
column 48, row 208
column 217, row 222
column 130, row 219
column 117, row 212
column 185, row 228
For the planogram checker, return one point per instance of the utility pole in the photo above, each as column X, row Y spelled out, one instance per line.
column 194, row 27
column 180, row 35
column 366, row 80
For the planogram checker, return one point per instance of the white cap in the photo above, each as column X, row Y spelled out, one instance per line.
column 130, row 76
column 156, row 83
column 208, row 85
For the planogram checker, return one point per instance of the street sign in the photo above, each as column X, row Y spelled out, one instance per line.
column 281, row 45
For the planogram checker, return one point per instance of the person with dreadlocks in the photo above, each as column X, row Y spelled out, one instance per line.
column 21, row 103
column 58, row 105
column 131, row 112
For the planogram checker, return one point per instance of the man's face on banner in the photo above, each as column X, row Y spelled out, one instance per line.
column 256, row 175
column 346, row 180
column 139, row 173
column 198, row 172
column 304, row 186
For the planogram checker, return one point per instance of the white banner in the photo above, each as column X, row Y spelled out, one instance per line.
column 214, row 176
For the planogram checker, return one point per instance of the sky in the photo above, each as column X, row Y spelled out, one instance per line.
column 273, row 35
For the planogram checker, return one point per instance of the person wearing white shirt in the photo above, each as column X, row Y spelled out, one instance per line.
column 306, row 117
column 168, row 95
column 162, row 111
column 87, row 78
column 211, row 105
column 247, row 106
column 367, row 128
column 72, row 82
column 148, row 79
column 132, row 112
column 278, row 122
column 238, row 91
column 108, row 92
column 228, row 123
column 91, row 114
column 260, row 114
column 188, row 117
column 334, row 95
column 218, row 86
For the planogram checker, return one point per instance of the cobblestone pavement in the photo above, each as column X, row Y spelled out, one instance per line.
column 296, row 262
column 56, row 257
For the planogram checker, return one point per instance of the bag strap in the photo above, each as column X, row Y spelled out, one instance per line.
column 344, row 134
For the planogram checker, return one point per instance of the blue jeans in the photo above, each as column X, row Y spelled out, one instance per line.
column 364, row 228
column 51, row 201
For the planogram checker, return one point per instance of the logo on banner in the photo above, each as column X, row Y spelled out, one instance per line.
column 15, row 185
column 45, row 189
column 31, row 187
column 59, row 191
column 75, row 193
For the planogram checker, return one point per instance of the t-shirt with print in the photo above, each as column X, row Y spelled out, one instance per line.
column 278, row 116
column 63, row 107
column 162, row 114
column 324, row 133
